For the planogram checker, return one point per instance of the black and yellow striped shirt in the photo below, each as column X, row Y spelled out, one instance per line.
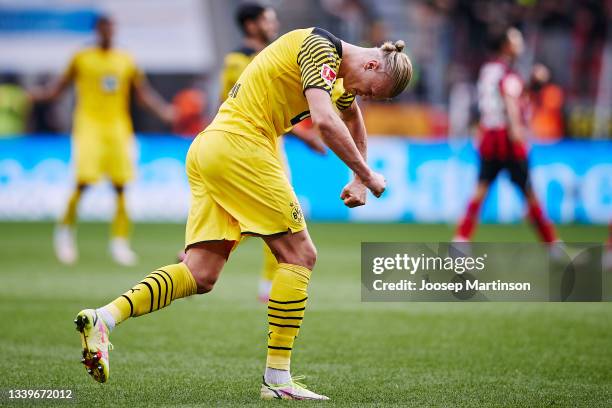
column 268, row 98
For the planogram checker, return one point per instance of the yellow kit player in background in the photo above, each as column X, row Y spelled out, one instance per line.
column 259, row 25
column 238, row 188
column 102, row 134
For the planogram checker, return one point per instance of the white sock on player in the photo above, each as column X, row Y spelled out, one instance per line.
column 275, row 376
column 107, row 317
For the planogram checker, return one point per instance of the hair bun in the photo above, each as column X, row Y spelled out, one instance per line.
column 398, row 46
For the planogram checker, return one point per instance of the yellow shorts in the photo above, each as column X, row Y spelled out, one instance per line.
column 99, row 152
column 238, row 186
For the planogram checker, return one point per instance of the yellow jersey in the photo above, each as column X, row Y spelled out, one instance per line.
column 268, row 98
column 103, row 81
column 233, row 65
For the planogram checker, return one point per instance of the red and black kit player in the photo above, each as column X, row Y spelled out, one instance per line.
column 501, row 96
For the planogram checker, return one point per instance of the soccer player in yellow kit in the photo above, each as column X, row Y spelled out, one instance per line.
column 238, row 187
column 259, row 25
column 102, row 134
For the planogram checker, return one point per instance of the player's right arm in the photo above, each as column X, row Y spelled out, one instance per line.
column 149, row 98
column 354, row 193
column 337, row 137
column 55, row 89
column 319, row 61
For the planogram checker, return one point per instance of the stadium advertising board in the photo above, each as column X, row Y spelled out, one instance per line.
column 427, row 182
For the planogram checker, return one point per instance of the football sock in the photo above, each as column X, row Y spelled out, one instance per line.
column 285, row 312
column 270, row 264
column 70, row 215
column 154, row 292
column 468, row 224
column 121, row 223
column 274, row 376
column 106, row 317
column 545, row 229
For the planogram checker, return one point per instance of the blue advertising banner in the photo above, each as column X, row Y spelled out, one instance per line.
column 14, row 20
column 427, row 181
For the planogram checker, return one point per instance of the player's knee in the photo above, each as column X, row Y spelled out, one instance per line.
column 81, row 187
column 481, row 191
column 205, row 283
column 308, row 256
column 304, row 255
column 311, row 257
column 205, row 279
column 119, row 188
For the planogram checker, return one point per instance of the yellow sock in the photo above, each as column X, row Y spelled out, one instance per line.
column 70, row 215
column 121, row 222
column 270, row 264
column 285, row 312
column 154, row 292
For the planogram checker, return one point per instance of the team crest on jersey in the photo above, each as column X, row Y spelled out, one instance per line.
column 110, row 83
column 328, row 74
column 296, row 211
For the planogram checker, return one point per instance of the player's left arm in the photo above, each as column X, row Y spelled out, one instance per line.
column 309, row 136
column 354, row 193
column 512, row 90
column 149, row 98
column 353, row 119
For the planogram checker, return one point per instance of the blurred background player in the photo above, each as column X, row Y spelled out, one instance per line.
column 14, row 106
column 501, row 95
column 259, row 26
column 102, row 134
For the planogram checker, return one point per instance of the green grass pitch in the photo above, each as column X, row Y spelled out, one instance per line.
column 210, row 350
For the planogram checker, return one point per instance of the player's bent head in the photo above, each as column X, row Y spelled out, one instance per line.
column 256, row 20
column 397, row 65
column 382, row 73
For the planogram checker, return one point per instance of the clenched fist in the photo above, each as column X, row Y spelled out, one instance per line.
column 376, row 183
column 354, row 194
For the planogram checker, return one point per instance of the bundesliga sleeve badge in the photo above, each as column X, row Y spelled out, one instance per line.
column 328, row 75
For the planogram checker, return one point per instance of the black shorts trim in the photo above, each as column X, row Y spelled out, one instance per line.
column 207, row 241
column 255, row 234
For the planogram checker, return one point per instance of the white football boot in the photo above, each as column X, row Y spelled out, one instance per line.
column 263, row 291
column 292, row 390
column 95, row 344
column 64, row 243
column 122, row 253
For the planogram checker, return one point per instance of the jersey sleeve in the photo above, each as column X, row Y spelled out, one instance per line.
column 318, row 60
column 345, row 101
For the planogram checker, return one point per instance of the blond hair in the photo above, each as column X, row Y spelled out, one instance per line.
column 397, row 65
